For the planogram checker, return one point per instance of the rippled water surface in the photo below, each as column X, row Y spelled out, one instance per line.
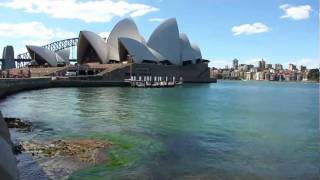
column 244, row 130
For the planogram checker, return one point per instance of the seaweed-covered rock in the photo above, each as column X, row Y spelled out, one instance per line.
column 81, row 150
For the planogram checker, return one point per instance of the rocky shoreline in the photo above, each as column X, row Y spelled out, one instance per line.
column 56, row 159
column 60, row 158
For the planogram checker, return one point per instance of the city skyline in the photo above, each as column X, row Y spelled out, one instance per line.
column 257, row 64
column 279, row 31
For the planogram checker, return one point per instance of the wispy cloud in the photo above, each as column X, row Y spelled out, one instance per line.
column 31, row 33
column 296, row 12
column 248, row 29
column 87, row 11
column 34, row 29
column 156, row 19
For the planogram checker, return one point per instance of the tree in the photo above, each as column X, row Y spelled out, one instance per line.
column 313, row 75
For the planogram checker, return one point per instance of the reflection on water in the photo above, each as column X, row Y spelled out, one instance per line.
column 244, row 130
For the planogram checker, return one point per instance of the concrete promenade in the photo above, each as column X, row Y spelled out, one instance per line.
column 10, row 86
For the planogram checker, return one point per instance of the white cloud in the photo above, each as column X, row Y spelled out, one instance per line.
column 248, row 29
column 156, row 19
column 296, row 12
column 31, row 33
column 87, row 11
column 32, row 30
column 35, row 42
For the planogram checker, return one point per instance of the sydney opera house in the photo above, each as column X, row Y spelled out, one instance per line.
column 168, row 52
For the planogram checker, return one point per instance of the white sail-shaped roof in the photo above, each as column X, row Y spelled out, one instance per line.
column 165, row 40
column 64, row 55
column 196, row 51
column 139, row 50
column 124, row 28
column 86, row 39
column 187, row 53
column 156, row 54
column 42, row 55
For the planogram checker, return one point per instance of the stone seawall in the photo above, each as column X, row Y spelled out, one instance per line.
column 11, row 86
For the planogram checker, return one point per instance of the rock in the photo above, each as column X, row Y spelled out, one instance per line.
column 82, row 150
column 18, row 124
column 17, row 149
column 60, row 158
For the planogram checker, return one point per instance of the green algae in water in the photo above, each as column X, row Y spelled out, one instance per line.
column 126, row 152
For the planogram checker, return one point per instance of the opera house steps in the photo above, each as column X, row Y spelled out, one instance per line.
column 112, row 67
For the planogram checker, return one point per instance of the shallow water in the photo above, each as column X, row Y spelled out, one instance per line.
column 244, row 130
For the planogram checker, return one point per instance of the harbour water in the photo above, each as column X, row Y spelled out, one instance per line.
column 228, row 130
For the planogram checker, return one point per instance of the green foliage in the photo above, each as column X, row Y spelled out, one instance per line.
column 313, row 75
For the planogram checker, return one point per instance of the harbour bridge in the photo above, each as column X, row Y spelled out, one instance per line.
column 24, row 58
column 55, row 47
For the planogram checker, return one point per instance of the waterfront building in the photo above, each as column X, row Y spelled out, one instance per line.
column 303, row 68
column 272, row 77
column 253, row 69
column 249, row 72
column 241, row 67
column 272, row 70
column 168, row 52
column 260, row 76
column 249, row 76
column 267, row 76
column 166, row 45
column 278, row 66
column 292, row 67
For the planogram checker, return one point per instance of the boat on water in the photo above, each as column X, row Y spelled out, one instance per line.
column 149, row 84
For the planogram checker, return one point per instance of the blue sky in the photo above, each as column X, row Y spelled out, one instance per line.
column 280, row 31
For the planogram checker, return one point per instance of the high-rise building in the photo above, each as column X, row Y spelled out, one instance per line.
column 262, row 64
column 278, row 66
column 8, row 58
column 235, row 63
